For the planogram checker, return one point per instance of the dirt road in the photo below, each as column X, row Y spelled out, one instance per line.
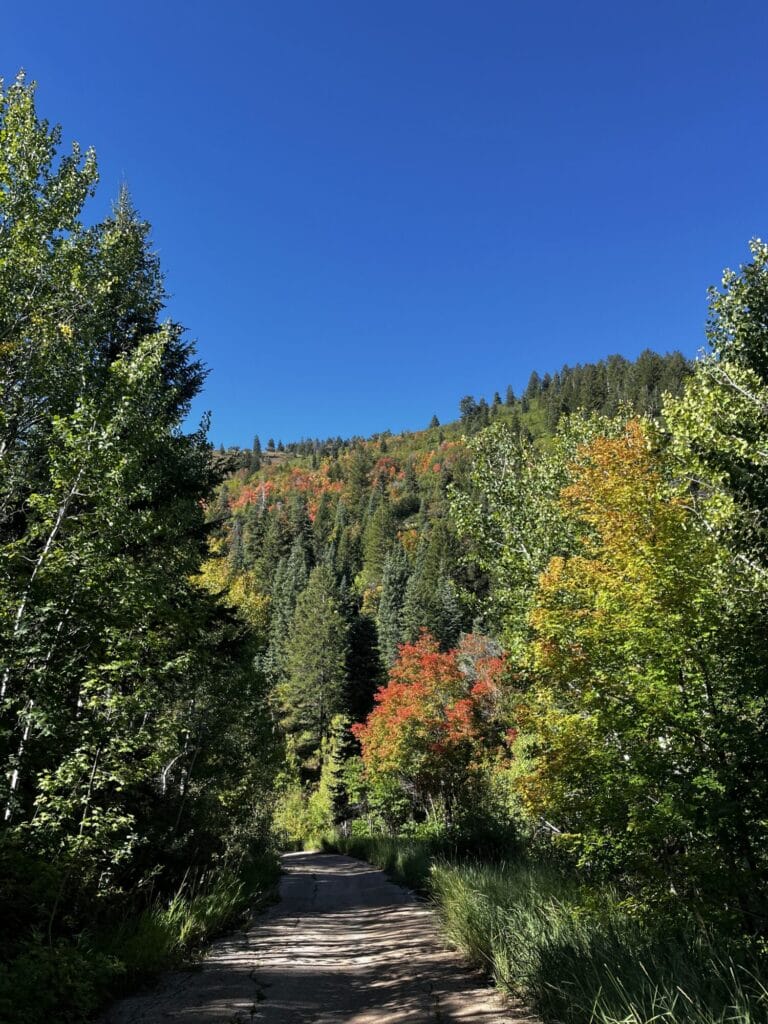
column 343, row 946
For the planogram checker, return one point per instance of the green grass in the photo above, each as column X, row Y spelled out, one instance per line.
column 69, row 980
column 577, row 956
column 407, row 861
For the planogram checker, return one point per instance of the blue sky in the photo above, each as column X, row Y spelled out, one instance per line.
column 366, row 210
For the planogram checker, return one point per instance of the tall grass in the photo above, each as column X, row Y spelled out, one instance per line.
column 168, row 931
column 406, row 860
column 69, row 980
column 578, row 957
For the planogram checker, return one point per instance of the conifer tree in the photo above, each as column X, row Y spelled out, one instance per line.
column 290, row 581
column 236, row 557
column 533, row 388
column 390, row 619
column 315, row 688
column 322, row 527
column 377, row 539
column 359, row 477
column 275, row 546
column 430, row 600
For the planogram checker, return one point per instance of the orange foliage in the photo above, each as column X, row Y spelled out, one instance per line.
column 436, row 709
column 251, row 495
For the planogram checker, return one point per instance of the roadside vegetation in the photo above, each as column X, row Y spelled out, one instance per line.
column 70, row 980
column 572, row 951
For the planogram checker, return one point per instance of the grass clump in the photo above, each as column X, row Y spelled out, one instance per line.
column 578, row 956
column 407, row 861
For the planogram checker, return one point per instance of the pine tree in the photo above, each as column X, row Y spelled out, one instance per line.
column 431, row 600
column 533, row 388
column 236, row 557
column 300, row 525
column 322, row 527
column 358, row 479
column 379, row 532
column 290, row 580
column 315, row 688
column 274, row 547
column 390, row 619
column 363, row 666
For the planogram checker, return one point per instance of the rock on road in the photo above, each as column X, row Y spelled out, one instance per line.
column 343, row 946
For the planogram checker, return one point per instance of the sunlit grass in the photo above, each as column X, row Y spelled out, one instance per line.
column 580, row 960
column 575, row 954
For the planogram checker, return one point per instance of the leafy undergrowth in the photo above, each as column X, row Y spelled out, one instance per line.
column 69, row 980
column 576, row 954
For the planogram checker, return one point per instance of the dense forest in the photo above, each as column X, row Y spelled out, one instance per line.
column 337, row 553
column 521, row 658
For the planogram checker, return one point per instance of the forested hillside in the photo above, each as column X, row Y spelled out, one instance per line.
column 538, row 634
column 338, row 552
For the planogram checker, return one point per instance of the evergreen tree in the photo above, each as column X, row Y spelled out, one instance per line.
column 377, row 539
column 363, row 665
column 315, row 688
column 431, row 601
column 275, row 546
column 254, row 526
column 390, row 619
column 322, row 527
column 236, row 557
column 299, row 524
column 533, row 388
column 290, row 580
column 358, row 479
column 254, row 463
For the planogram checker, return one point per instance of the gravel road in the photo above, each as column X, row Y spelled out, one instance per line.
column 343, row 946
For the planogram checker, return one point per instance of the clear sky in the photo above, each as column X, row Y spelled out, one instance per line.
column 368, row 209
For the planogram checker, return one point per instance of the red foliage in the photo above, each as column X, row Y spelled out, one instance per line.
column 252, row 494
column 436, row 708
